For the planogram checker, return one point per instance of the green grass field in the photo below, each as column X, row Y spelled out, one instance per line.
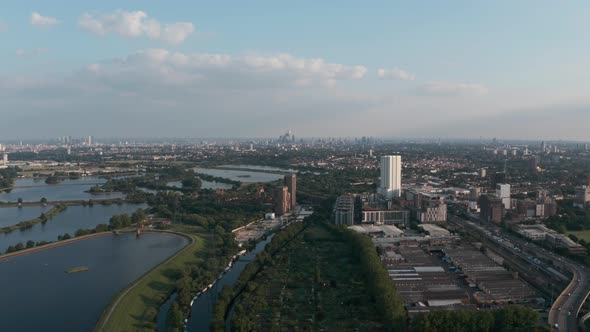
column 582, row 234
column 137, row 306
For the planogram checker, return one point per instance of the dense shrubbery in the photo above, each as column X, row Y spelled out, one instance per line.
column 7, row 176
column 513, row 318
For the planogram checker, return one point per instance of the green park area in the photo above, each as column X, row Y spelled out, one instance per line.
column 313, row 283
column 585, row 234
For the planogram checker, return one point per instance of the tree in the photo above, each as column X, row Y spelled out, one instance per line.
column 20, row 201
column 19, row 246
column 101, row 228
column 30, row 244
column 138, row 216
column 43, row 200
column 175, row 318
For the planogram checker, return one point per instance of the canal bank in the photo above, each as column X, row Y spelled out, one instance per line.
column 136, row 306
column 202, row 309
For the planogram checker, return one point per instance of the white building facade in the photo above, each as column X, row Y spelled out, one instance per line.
column 391, row 176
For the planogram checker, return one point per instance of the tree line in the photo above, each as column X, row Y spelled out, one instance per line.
column 511, row 318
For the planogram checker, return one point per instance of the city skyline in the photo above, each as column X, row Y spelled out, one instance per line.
column 394, row 69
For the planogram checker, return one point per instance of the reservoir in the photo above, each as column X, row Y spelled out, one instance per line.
column 68, row 221
column 204, row 184
column 33, row 189
column 262, row 168
column 39, row 296
column 242, row 176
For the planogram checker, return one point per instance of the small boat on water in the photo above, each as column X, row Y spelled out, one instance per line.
column 77, row 269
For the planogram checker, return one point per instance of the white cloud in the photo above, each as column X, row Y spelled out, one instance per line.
column 32, row 52
column 395, row 73
column 136, row 24
column 220, row 71
column 444, row 88
column 38, row 19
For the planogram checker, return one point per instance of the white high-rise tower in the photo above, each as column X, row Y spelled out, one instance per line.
column 391, row 176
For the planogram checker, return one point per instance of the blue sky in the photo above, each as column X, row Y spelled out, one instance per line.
column 443, row 62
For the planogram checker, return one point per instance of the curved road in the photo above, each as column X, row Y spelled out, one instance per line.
column 566, row 307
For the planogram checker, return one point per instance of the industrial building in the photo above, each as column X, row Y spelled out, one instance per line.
column 382, row 230
column 343, row 213
column 387, row 217
column 541, row 233
column 492, row 282
column 420, row 279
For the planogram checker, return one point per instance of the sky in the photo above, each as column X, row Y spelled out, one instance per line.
column 448, row 69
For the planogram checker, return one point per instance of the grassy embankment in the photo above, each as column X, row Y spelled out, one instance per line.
column 135, row 308
column 29, row 223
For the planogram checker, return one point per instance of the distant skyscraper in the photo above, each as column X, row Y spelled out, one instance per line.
column 281, row 200
column 291, row 183
column 89, row 140
column 391, row 176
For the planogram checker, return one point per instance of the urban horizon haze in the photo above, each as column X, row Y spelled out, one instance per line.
column 390, row 69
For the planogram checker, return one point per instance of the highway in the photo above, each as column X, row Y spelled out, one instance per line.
column 566, row 307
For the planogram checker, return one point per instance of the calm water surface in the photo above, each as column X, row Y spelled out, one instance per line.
column 68, row 221
column 14, row 215
column 32, row 190
column 42, row 297
column 262, row 168
column 242, row 176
